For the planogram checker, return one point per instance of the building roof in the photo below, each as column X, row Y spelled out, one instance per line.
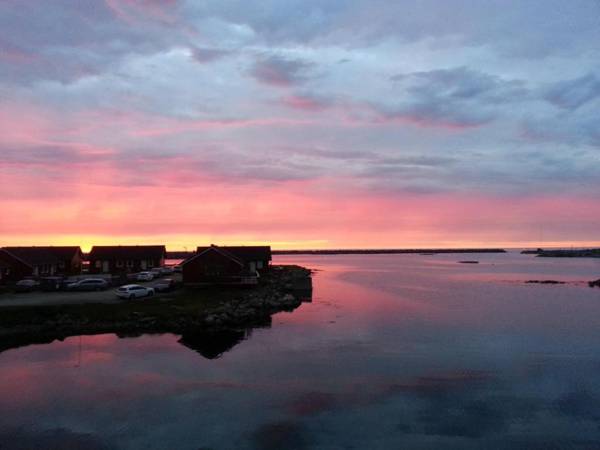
column 214, row 248
column 125, row 252
column 43, row 255
column 245, row 253
column 7, row 259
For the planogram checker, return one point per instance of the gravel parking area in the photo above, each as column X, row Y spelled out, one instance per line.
column 38, row 298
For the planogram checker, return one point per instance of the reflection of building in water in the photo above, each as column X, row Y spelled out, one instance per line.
column 302, row 289
column 213, row 344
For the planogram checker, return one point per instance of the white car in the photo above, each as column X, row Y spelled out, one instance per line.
column 145, row 276
column 131, row 291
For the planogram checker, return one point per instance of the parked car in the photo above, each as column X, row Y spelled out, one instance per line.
column 156, row 272
column 178, row 268
column 167, row 270
column 88, row 284
column 26, row 285
column 165, row 285
column 131, row 291
column 145, row 276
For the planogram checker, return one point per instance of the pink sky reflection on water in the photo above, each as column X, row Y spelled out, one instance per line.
column 381, row 331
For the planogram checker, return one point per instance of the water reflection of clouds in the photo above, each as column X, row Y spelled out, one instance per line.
column 454, row 412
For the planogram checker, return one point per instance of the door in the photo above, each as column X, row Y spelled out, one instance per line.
column 105, row 266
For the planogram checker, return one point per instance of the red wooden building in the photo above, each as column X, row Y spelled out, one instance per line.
column 126, row 258
column 12, row 268
column 254, row 257
column 49, row 260
column 226, row 265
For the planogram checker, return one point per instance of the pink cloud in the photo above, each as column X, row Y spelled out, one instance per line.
column 303, row 103
column 14, row 55
column 295, row 213
column 63, row 182
column 280, row 72
column 425, row 122
column 131, row 11
column 164, row 126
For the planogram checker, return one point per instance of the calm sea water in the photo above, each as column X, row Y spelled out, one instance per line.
column 394, row 351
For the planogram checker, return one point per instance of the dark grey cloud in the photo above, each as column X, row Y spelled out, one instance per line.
column 279, row 71
column 544, row 27
column 433, row 112
column 48, row 155
column 462, row 83
column 207, row 55
column 459, row 97
column 571, row 128
column 274, row 21
column 420, row 160
column 572, row 94
column 66, row 40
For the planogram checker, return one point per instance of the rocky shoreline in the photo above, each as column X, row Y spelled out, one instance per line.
column 563, row 253
column 187, row 312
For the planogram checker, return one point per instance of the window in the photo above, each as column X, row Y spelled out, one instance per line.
column 98, row 264
column 151, row 263
column 119, row 263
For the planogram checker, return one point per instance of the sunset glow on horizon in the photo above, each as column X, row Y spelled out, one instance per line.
column 302, row 124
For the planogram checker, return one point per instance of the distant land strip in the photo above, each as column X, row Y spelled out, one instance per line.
column 573, row 253
column 388, row 251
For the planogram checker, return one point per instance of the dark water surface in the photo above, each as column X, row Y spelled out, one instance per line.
column 395, row 351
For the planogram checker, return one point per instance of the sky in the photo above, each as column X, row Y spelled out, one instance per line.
column 300, row 123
